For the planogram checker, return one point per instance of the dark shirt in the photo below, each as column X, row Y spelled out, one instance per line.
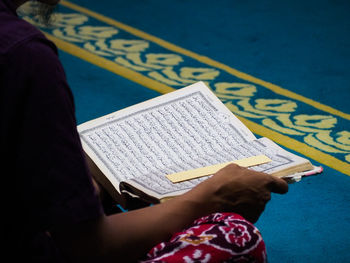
column 44, row 176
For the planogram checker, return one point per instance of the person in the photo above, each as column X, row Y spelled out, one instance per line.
column 53, row 212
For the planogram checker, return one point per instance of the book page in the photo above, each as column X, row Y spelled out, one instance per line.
column 284, row 163
column 212, row 169
column 158, row 185
column 184, row 129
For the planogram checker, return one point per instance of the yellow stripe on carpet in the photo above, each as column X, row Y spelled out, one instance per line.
column 283, row 140
column 207, row 60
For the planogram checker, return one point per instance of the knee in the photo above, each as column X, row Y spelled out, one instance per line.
column 218, row 237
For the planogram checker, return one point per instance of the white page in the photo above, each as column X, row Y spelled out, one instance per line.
column 156, row 184
column 281, row 159
column 181, row 130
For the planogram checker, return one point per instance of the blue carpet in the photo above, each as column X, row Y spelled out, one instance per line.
column 309, row 224
column 98, row 92
column 301, row 46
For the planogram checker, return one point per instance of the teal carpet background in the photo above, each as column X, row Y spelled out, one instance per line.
column 303, row 46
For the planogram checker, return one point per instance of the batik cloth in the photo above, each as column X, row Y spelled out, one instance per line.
column 219, row 237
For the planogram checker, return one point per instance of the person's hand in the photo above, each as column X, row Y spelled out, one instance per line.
column 239, row 190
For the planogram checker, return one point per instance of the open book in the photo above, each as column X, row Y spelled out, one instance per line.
column 132, row 150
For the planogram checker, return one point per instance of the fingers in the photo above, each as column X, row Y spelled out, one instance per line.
column 278, row 185
column 242, row 190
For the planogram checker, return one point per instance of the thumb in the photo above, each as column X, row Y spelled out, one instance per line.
column 278, row 185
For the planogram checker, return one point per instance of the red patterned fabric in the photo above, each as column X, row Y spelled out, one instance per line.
column 220, row 237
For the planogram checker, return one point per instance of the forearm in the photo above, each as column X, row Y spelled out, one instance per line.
column 128, row 236
column 136, row 232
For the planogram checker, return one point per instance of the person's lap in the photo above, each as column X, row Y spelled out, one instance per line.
column 219, row 237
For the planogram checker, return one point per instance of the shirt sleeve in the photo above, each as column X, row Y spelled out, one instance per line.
column 53, row 180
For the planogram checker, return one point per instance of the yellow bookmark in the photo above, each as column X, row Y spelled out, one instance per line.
column 209, row 170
